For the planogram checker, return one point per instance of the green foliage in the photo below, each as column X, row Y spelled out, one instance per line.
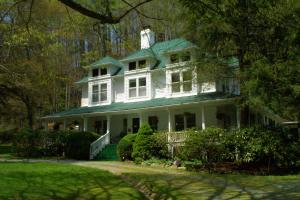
column 205, row 145
column 142, row 147
column 7, row 136
column 145, row 129
column 78, row 145
column 160, row 147
column 125, row 147
column 244, row 146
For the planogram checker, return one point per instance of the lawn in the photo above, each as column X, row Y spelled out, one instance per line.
column 168, row 183
column 61, row 181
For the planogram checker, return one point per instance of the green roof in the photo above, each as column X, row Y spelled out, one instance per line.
column 159, row 102
column 107, row 60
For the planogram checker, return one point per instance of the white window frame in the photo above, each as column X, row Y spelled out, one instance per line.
column 181, row 81
column 101, row 92
column 137, row 65
column 137, row 87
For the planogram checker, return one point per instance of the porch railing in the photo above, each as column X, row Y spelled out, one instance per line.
column 99, row 144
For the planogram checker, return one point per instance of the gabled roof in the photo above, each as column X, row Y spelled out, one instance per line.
column 107, row 60
column 159, row 102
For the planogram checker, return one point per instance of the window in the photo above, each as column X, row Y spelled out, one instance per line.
column 95, row 72
column 142, row 64
column 95, row 93
column 153, row 122
column 137, row 87
column 103, row 71
column 181, row 81
column 132, row 66
column 132, row 88
column 142, row 87
column 190, row 120
column 174, row 58
column 186, row 57
column 175, row 82
column 100, row 126
column 103, row 92
column 179, row 122
column 187, row 81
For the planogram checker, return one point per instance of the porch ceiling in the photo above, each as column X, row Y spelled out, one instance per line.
column 153, row 103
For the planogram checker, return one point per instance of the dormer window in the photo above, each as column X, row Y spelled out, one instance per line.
column 141, row 64
column 95, row 72
column 186, row 57
column 174, row 58
column 103, row 71
column 132, row 66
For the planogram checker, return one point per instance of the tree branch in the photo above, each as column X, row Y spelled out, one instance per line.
column 103, row 18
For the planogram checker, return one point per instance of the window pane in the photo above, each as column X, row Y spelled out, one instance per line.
column 175, row 87
column 132, row 66
column 175, row 77
column 103, row 90
column 187, row 75
column 179, row 122
column 142, row 91
column 142, row 81
column 132, row 83
column 186, row 57
column 174, row 58
column 95, row 93
column 142, row 64
column 95, row 72
column 103, row 71
column 190, row 120
column 132, row 92
column 187, row 86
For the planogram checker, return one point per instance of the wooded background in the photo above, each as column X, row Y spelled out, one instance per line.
column 45, row 43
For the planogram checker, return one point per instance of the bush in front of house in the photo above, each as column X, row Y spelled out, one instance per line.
column 78, row 144
column 125, row 147
column 142, row 147
column 205, row 145
column 7, row 136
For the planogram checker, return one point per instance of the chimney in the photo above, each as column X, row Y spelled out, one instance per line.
column 147, row 38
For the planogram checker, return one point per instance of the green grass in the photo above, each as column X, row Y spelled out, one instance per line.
column 169, row 183
column 208, row 186
column 61, row 181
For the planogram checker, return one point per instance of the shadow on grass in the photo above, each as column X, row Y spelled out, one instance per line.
column 166, row 186
column 61, row 182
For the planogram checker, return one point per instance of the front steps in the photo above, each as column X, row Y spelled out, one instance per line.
column 108, row 153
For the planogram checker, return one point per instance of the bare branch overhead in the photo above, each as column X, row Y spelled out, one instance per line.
column 103, row 18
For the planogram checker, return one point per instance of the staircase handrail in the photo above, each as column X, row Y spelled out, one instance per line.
column 99, row 144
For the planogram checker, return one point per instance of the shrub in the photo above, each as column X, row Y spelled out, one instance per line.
column 125, row 147
column 205, row 146
column 78, row 144
column 54, row 143
column 160, row 146
column 28, row 143
column 142, row 147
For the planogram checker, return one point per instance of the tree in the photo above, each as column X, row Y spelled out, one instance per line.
column 264, row 37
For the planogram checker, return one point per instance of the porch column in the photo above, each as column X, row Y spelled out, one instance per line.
column 170, row 121
column 108, row 117
column 238, row 117
column 203, row 117
column 64, row 124
column 85, row 124
column 141, row 118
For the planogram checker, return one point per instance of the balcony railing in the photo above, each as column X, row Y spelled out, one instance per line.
column 99, row 144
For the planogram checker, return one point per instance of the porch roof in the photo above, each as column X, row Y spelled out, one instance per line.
column 159, row 102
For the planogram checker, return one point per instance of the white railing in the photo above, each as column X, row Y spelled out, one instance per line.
column 99, row 144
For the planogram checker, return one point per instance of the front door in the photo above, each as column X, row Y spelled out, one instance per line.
column 135, row 125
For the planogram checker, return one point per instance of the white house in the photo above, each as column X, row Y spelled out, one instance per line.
column 157, row 84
